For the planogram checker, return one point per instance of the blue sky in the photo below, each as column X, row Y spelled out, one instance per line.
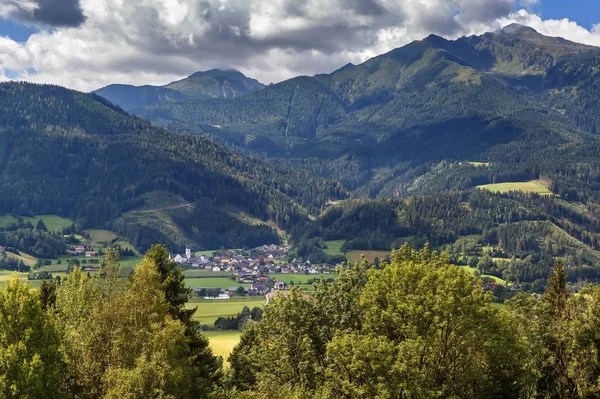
column 16, row 31
column 585, row 12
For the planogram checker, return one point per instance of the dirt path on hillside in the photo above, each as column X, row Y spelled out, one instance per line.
column 167, row 208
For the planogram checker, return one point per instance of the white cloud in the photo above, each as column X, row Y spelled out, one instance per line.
column 564, row 28
column 157, row 41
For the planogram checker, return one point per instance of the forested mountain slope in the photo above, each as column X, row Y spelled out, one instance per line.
column 514, row 236
column 76, row 154
column 504, row 97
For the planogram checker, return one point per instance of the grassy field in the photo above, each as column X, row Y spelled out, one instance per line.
column 356, row 256
column 52, row 222
column 199, row 273
column 102, row 235
column 207, row 253
column 300, row 280
column 129, row 262
column 334, row 247
column 26, row 258
column 212, row 282
column 6, row 275
column 472, row 270
column 210, row 310
column 223, row 342
column 62, row 268
column 534, row 186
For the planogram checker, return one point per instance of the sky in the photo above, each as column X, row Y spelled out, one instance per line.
column 88, row 44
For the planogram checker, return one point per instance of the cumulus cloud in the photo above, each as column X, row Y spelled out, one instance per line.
column 564, row 28
column 157, row 41
column 52, row 13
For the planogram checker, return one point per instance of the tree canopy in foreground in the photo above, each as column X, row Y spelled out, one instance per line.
column 416, row 327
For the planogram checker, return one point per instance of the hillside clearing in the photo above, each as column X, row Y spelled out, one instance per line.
column 102, row 235
column 472, row 270
column 334, row 247
column 356, row 255
column 52, row 222
column 533, row 186
column 26, row 258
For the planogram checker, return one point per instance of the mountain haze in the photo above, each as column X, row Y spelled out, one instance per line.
column 215, row 83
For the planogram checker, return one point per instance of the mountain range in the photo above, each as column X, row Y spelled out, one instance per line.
column 429, row 101
column 376, row 154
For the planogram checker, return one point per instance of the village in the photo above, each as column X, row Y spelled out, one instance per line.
column 257, row 267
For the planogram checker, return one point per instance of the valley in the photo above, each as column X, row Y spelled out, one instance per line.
column 305, row 227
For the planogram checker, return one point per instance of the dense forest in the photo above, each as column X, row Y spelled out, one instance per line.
column 524, row 233
column 77, row 155
column 416, row 327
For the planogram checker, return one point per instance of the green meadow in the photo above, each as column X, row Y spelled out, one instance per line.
column 209, row 310
column 472, row 270
column 213, row 282
column 52, row 222
column 534, row 186
column 334, row 247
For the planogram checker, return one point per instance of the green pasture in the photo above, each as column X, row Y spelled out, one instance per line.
column 52, row 222
column 534, row 186
column 209, row 310
column 472, row 270
column 200, row 273
column 334, row 247
column 356, row 255
column 102, row 235
column 213, row 282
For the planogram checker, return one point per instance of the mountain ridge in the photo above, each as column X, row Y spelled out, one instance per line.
column 214, row 83
column 506, row 89
column 77, row 154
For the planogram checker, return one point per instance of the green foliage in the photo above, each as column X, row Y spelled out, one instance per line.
column 417, row 327
column 39, row 243
column 521, row 234
column 205, row 368
column 30, row 364
column 120, row 339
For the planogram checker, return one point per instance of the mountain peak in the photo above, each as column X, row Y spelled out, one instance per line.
column 528, row 34
column 518, row 30
column 216, row 83
column 219, row 73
